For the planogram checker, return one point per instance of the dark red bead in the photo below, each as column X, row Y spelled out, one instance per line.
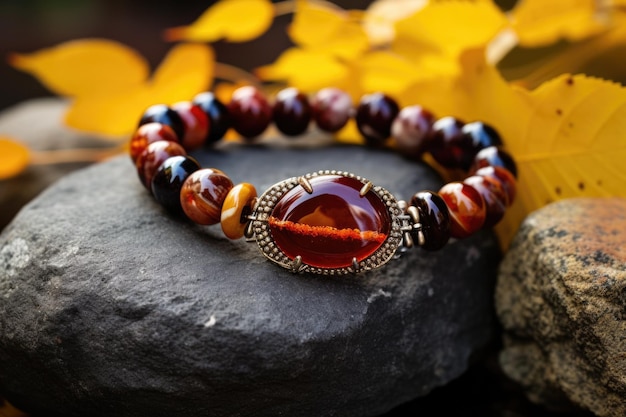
column 249, row 111
column 411, row 130
column 169, row 179
column 496, row 157
column 203, row 193
column 466, row 206
column 332, row 109
column 446, row 144
column 374, row 116
column 160, row 113
column 152, row 157
column 332, row 225
column 147, row 134
column 493, row 194
column 196, row 124
column 507, row 180
column 434, row 218
column 219, row 120
column 292, row 112
column 478, row 136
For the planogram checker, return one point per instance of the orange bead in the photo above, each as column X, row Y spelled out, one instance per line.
column 203, row 194
column 237, row 205
column 196, row 124
column 147, row 134
column 466, row 206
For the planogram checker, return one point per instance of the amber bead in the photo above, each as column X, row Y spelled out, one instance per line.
column 332, row 225
column 466, row 207
column 237, row 205
column 160, row 113
column 493, row 195
column 374, row 116
column 153, row 156
column 494, row 156
column 434, row 218
column 250, row 112
column 147, row 134
column 507, row 180
column 169, row 179
column 217, row 112
column 196, row 124
column 203, row 194
column 411, row 130
column 292, row 112
column 332, row 109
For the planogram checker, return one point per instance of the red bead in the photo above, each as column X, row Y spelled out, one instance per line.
column 434, row 218
column 331, row 109
column 447, row 142
column 249, row 111
column 332, row 225
column 494, row 156
column 374, row 117
column 507, row 180
column 147, row 134
column 152, row 157
column 196, row 124
column 292, row 112
column 217, row 112
column 493, row 194
column 411, row 130
column 466, row 206
column 161, row 113
column 203, row 194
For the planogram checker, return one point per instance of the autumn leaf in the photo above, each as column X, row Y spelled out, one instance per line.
column 14, row 157
column 232, row 20
column 380, row 18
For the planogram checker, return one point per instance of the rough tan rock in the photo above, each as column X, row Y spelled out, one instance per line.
column 561, row 298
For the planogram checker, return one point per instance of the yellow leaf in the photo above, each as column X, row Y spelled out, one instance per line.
column 14, row 157
column 448, row 28
column 381, row 16
column 306, row 70
column 84, row 67
column 322, row 28
column 540, row 23
column 233, row 20
column 186, row 71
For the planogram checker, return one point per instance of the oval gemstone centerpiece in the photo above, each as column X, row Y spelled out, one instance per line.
column 331, row 224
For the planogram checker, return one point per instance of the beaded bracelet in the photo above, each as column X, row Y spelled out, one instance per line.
column 327, row 222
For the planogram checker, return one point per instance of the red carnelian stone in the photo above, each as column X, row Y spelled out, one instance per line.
column 466, row 206
column 496, row 199
column 203, row 193
column 507, row 180
column 152, row 157
column 196, row 124
column 147, row 134
column 332, row 225
column 250, row 112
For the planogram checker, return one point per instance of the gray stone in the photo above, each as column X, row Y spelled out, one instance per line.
column 111, row 307
column 561, row 297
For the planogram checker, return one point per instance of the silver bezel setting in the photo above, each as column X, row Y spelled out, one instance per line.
column 268, row 247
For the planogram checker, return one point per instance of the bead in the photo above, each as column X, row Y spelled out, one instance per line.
column 331, row 109
column 249, row 111
column 434, row 218
column 446, row 144
column 152, row 157
column 147, row 134
column 219, row 119
column 374, row 117
column 507, row 180
column 494, row 156
column 196, row 124
column 492, row 192
column 161, row 113
column 466, row 206
column 237, row 205
column 169, row 179
column 411, row 130
column 477, row 136
column 332, row 225
column 203, row 194
column 292, row 112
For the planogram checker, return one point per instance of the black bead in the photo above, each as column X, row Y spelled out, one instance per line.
column 496, row 157
column 478, row 136
column 374, row 117
column 292, row 112
column 169, row 179
column 434, row 218
column 161, row 113
column 219, row 119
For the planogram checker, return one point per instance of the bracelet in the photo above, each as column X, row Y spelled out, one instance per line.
column 328, row 222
